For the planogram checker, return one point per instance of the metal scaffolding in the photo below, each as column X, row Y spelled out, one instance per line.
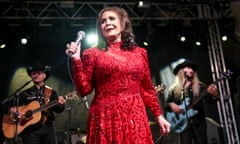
column 225, row 106
column 46, row 13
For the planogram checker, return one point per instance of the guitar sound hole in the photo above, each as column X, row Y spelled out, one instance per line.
column 28, row 114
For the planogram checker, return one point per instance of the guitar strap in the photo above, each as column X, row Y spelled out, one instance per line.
column 47, row 93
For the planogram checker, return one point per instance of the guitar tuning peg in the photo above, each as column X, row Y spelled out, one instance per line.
column 227, row 74
column 230, row 72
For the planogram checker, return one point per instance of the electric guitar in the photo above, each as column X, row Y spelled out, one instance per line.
column 179, row 121
column 31, row 115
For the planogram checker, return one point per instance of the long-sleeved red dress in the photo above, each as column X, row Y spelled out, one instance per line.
column 123, row 87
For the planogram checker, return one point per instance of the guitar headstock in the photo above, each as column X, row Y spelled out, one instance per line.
column 160, row 89
column 226, row 75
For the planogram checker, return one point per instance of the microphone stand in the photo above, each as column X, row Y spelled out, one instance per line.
column 186, row 107
column 16, row 93
column 15, row 96
column 183, row 96
column 69, row 109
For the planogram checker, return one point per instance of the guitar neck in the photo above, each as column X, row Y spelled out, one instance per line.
column 53, row 103
column 195, row 101
column 202, row 94
column 49, row 105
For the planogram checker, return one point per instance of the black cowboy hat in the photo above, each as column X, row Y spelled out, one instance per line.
column 186, row 63
column 37, row 66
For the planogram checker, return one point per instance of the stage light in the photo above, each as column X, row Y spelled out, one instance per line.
column 145, row 43
column 24, row 41
column 224, row 38
column 140, row 3
column 91, row 39
column 198, row 40
column 198, row 43
column 2, row 45
column 222, row 4
column 182, row 38
column 143, row 5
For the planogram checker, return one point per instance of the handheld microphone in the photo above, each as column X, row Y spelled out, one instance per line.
column 80, row 36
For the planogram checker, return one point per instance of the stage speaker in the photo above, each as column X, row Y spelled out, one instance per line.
column 213, row 131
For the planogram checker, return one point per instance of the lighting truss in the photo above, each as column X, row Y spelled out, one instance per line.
column 46, row 13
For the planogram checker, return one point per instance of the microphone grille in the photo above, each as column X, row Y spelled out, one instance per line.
column 81, row 34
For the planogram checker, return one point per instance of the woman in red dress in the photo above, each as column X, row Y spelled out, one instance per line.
column 120, row 76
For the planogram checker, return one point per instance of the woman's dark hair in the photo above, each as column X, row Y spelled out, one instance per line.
column 127, row 35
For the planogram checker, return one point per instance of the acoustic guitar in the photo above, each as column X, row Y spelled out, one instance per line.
column 31, row 115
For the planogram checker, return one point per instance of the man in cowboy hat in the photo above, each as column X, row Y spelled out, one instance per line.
column 43, row 131
column 38, row 67
column 187, row 87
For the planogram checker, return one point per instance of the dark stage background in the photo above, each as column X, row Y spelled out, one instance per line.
column 47, row 44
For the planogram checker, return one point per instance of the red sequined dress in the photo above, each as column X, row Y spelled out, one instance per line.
column 123, row 87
